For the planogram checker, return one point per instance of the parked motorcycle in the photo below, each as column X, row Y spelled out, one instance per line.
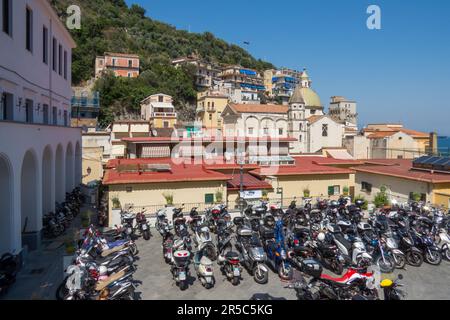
column 180, row 268
column 205, row 270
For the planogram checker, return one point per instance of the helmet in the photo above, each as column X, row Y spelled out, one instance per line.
column 321, row 237
column 334, row 204
column 269, row 221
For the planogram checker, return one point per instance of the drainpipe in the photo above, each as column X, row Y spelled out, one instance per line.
column 50, row 67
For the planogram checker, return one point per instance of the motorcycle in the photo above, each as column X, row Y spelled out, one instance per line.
column 431, row 252
column 8, row 271
column 180, row 268
column 254, row 257
column 202, row 238
column 142, row 225
column 230, row 267
column 391, row 289
column 205, row 271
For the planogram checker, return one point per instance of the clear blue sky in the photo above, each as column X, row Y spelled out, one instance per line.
column 400, row 73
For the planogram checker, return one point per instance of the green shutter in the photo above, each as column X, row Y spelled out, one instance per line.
column 209, row 198
column 331, row 190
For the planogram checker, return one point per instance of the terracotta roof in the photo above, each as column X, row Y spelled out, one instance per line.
column 415, row 134
column 178, row 172
column 310, row 166
column 259, row 108
column 126, row 55
column 313, row 119
column 250, row 182
column 401, row 168
column 381, row 134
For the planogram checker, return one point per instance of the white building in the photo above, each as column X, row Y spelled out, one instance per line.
column 40, row 154
column 308, row 124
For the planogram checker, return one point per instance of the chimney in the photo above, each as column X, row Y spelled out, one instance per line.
column 433, row 143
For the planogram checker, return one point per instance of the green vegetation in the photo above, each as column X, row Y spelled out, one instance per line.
column 115, row 202
column 306, row 192
column 110, row 25
column 345, row 190
column 219, row 196
column 169, row 198
column 416, row 196
column 381, row 198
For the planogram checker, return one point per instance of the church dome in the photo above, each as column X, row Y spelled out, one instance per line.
column 306, row 96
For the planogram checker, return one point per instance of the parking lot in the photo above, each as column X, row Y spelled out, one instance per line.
column 427, row 282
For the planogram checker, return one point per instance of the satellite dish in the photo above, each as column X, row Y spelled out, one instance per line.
column 154, row 133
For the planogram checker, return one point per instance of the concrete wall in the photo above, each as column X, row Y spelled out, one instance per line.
column 151, row 195
column 42, row 163
column 398, row 188
column 316, row 141
column 93, row 159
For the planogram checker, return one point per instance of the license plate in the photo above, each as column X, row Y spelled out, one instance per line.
column 237, row 272
column 144, row 227
column 182, row 276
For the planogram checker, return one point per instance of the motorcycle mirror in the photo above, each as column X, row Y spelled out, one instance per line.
column 400, row 276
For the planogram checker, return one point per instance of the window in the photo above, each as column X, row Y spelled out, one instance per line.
column 29, row 30
column 65, row 64
column 60, row 59
column 46, row 115
column 160, row 98
column 367, row 187
column 65, row 118
column 166, row 124
column 299, row 138
column 209, row 104
column 280, row 131
column 129, row 189
column 212, row 104
column 45, row 45
column 334, row 190
column 54, row 54
column 210, row 116
column 7, row 17
column 114, row 62
column 313, row 112
column 324, row 130
column 129, row 74
column 300, row 127
column 29, row 111
column 130, row 63
column 209, row 198
column 55, row 116
column 250, row 130
column 266, row 131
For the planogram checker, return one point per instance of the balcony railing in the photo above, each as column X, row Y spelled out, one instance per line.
column 164, row 114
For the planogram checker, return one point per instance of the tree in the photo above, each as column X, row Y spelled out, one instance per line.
column 381, row 198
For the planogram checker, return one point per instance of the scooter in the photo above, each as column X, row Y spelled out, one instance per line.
column 180, row 268
column 230, row 267
column 205, row 271
column 142, row 225
column 254, row 257
column 391, row 289
column 204, row 242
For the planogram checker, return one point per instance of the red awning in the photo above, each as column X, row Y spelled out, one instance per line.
column 250, row 182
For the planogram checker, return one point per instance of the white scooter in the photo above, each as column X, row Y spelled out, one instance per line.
column 205, row 271
column 205, row 245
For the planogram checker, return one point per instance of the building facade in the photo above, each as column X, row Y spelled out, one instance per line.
column 206, row 74
column 159, row 110
column 121, row 64
column 40, row 154
column 210, row 106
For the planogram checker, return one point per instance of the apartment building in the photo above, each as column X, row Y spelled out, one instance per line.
column 206, row 74
column 40, row 154
column 122, row 64
column 159, row 110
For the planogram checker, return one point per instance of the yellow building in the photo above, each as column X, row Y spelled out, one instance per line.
column 402, row 179
column 210, row 106
column 159, row 110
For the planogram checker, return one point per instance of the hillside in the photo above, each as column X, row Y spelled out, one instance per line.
column 110, row 25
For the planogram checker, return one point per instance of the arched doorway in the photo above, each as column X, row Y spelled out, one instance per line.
column 47, row 181
column 6, row 203
column 29, row 194
column 78, row 162
column 59, row 175
column 70, row 171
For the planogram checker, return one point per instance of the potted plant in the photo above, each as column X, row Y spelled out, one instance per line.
column 366, row 203
column 219, row 196
column 345, row 190
column 381, row 198
column 169, row 198
column 116, row 202
column 265, row 195
column 306, row 192
column 116, row 210
column 416, row 197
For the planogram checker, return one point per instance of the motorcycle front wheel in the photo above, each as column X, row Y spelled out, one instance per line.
column 285, row 272
column 447, row 254
column 400, row 261
column 433, row 257
column 414, row 259
column 235, row 281
column 183, row 285
column 260, row 276
column 387, row 265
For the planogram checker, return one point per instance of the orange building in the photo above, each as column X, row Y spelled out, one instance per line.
column 123, row 65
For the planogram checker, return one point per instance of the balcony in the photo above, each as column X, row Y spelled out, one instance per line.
column 164, row 115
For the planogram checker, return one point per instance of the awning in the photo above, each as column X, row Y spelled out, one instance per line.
column 149, row 151
column 250, row 182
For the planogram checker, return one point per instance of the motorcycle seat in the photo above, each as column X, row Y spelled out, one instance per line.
column 232, row 255
column 347, row 244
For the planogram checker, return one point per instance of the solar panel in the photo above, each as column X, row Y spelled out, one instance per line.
column 432, row 163
column 442, row 161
